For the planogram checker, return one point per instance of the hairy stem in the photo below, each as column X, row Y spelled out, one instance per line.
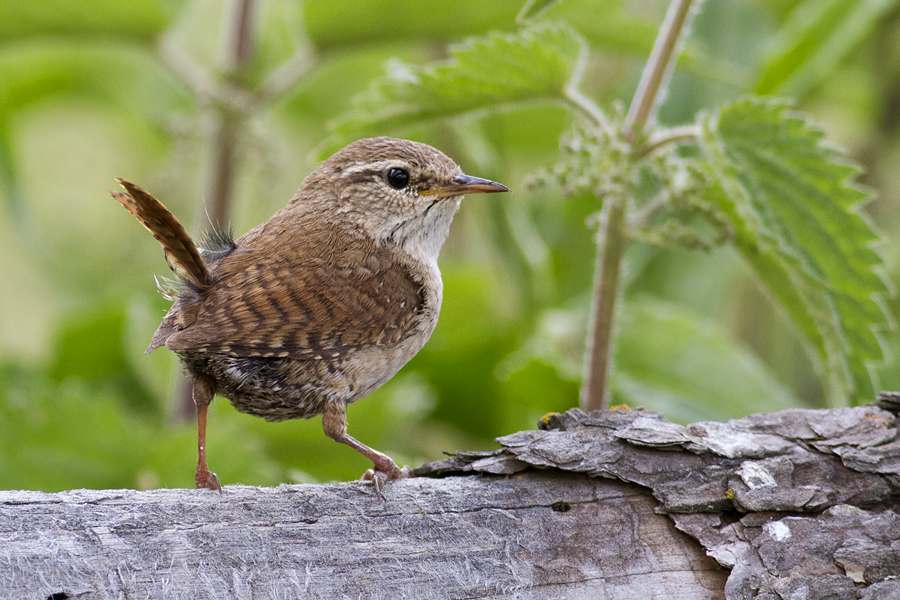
column 676, row 135
column 612, row 241
column 659, row 67
column 612, row 236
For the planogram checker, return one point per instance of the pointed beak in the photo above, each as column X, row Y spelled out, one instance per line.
column 466, row 184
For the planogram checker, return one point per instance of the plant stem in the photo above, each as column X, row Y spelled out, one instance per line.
column 676, row 135
column 612, row 241
column 198, row 80
column 612, row 235
column 285, row 77
column 642, row 217
column 221, row 177
column 659, row 67
column 227, row 121
column 589, row 109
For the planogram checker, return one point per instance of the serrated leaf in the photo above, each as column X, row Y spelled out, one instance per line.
column 817, row 34
column 536, row 63
column 795, row 210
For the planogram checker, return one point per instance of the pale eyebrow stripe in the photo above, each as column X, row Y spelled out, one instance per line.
column 368, row 167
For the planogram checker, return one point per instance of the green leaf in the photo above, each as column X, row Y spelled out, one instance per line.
column 676, row 362
column 537, row 63
column 349, row 23
column 795, row 210
column 533, row 9
column 143, row 19
column 816, row 36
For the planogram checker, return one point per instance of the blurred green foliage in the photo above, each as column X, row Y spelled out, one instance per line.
column 86, row 95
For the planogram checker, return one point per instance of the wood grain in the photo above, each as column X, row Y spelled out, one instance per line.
column 538, row 535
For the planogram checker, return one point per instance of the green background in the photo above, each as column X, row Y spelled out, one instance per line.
column 85, row 96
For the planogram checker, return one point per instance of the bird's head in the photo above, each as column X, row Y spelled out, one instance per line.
column 394, row 191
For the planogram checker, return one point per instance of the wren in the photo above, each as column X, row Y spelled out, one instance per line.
column 321, row 304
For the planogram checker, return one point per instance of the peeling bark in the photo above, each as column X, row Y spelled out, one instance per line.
column 798, row 503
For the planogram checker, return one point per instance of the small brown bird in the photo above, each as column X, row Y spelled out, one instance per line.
column 321, row 304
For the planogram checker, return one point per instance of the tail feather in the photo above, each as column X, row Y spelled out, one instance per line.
column 181, row 252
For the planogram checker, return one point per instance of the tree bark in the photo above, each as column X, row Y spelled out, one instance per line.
column 610, row 504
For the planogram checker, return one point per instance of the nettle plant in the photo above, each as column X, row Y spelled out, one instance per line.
column 758, row 177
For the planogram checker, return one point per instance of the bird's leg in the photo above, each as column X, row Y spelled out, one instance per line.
column 334, row 422
column 203, row 391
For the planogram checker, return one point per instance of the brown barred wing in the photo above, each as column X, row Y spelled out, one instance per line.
column 312, row 304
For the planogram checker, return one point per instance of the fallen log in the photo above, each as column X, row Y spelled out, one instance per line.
column 615, row 504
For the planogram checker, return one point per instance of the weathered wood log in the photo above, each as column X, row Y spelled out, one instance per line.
column 550, row 534
column 619, row 504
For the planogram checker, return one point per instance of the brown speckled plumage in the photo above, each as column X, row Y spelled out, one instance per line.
column 276, row 332
column 324, row 302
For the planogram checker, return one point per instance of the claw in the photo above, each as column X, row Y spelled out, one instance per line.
column 208, row 480
column 380, row 478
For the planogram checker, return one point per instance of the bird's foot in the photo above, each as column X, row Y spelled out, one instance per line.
column 206, row 479
column 382, row 473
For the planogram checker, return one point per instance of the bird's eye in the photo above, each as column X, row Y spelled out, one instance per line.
column 397, row 178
